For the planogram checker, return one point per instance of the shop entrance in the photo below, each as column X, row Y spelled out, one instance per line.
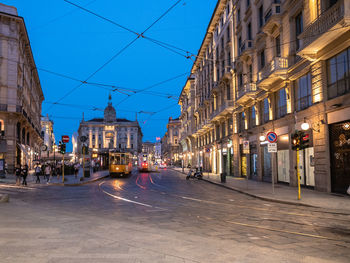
column 339, row 134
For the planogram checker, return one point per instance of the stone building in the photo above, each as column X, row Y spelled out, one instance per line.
column 171, row 142
column 110, row 133
column 21, row 95
column 47, row 134
column 272, row 66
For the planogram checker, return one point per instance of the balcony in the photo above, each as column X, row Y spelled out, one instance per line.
column 246, row 49
column 275, row 70
column 272, row 17
column 330, row 25
column 249, row 91
column 222, row 110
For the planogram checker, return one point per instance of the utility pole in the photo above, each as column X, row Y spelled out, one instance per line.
column 298, row 173
column 62, row 167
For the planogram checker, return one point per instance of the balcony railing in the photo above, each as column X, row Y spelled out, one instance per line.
column 246, row 45
column 323, row 23
column 277, row 65
column 248, row 88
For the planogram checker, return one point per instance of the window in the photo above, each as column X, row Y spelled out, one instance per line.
column 338, row 74
column 229, row 58
column 228, row 10
column 249, row 31
column 298, row 29
column 223, row 130
column 238, row 15
column 262, row 59
column 239, row 44
column 228, row 91
column 230, row 126
column 217, row 132
column 242, row 122
column 261, row 16
column 253, row 117
column 228, row 33
column 303, row 92
column 120, row 146
column 175, row 141
column 240, row 80
column 278, row 46
column 248, row 3
column 281, row 103
column 250, row 73
column 266, row 110
column 132, row 146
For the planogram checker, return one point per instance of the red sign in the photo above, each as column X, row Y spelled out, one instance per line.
column 65, row 138
column 271, row 137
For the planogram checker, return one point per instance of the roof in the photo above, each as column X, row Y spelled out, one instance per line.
column 102, row 120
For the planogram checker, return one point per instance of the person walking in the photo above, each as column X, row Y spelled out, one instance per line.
column 37, row 173
column 76, row 170
column 18, row 173
column 25, row 174
column 48, row 172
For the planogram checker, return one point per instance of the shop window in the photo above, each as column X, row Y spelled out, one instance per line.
column 281, row 103
column 303, row 92
column 338, row 74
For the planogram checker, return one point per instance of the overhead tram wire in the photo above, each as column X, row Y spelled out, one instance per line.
column 118, row 53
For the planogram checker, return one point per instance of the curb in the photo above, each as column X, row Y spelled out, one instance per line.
column 266, row 198
column 79, row 184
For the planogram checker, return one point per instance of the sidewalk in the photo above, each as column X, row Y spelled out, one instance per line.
column 282, row 194
column 70, row 180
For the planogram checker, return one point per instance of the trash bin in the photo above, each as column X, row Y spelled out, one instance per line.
column 223, row 177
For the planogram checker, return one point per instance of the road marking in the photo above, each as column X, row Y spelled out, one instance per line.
column 18, row 187
column 282, row 231
column 121, row 198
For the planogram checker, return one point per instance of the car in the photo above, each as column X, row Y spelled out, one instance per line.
column 162, row 165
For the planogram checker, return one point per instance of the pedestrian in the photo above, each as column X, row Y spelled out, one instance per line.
column 25, row 174
column 37, row 173
column 76, row 170
column 47, row 172
column 18, row 173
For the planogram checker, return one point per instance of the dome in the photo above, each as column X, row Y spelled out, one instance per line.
column 110, row 113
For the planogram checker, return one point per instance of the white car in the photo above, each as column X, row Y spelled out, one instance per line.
column 162, row 165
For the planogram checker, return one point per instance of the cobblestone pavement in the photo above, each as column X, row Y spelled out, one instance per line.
column 161, row 217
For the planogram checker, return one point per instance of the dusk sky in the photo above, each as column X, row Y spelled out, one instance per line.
column 69, row 41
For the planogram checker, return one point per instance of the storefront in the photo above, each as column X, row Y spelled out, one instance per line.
column 283, row 159
column 339, row 139
column 253, row 161
column 267, row 166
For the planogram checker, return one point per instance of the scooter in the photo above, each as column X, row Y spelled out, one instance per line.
column 197, row 174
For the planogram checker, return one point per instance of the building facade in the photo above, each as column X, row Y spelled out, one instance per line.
column 272, row 66
column 110, row 133
column 47, row 134
column 21, row 95
column 171, row 142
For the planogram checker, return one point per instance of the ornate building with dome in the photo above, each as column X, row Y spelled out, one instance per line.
column 110, row 133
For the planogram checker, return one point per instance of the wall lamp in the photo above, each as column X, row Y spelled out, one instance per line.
column 305, row 126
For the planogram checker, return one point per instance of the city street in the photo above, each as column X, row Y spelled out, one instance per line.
column 161, row 217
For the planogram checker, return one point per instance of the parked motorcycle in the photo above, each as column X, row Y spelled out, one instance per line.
column 197, row 174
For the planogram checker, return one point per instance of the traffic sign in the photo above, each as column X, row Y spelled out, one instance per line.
column 272, row 147
column 245, row 147
column 271, row 137
column 65, row 138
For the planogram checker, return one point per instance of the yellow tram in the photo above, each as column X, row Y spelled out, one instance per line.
column 120, row 163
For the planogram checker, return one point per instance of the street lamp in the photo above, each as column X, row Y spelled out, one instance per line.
column 305, row 126
column 262, row 138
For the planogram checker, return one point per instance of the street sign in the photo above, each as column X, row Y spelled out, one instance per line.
column 65, row 138
column 271, row 137
column 272, row 147
column 245, row 147
column 83, row 138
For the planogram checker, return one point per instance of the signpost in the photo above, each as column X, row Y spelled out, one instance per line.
column 272, row 148
column 65, row 138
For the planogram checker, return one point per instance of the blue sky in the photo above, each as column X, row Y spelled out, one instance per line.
column 69, row 41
